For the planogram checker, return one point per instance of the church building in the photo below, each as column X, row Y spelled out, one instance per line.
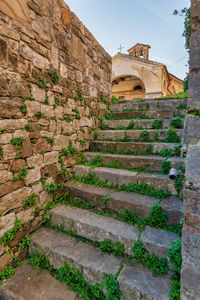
column 134, row 76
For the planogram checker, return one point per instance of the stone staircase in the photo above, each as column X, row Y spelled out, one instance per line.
column 73, row 232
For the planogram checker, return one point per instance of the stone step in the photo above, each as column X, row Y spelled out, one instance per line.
column 118, row 176
column 96, row 228
column 150, row 104
column 152, row 162
column 28, row 284
column 135, row 282
column 134, row 134
column 138, row 124
column 119, row 201
column 145, row 124
column 129, row 146
column 162, row 114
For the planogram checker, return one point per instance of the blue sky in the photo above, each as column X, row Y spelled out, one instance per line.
column 127, row 22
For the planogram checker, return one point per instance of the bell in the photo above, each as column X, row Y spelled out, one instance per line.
column 173, row 173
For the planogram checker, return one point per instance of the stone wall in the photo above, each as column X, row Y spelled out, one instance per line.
column 191, row 233
column 53, row 72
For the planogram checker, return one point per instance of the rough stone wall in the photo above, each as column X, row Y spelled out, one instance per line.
column 47, row 56
column 191, row 233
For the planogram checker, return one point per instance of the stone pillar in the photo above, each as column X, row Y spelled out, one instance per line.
column 146, row 53
column 190, row 276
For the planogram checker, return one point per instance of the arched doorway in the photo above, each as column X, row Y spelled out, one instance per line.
column 128, row 87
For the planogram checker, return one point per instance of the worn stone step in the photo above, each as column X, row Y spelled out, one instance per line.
column 119, row 201
column 118, row 176
column 152, row 162
column 162, row 114
column 134, row 134
column 59, row 248
column 28, row 284
column 140, row 147
column 96, row 228
column 137, row 283
column 145, row 124
column 147, row 104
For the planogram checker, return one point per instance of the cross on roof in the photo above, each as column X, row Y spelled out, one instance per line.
column 120, row 48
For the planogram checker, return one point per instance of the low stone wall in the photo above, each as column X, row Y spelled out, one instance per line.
column 190, row 277
column 53, row 74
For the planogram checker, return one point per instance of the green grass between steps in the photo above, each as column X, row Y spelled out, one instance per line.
column 98, row 162
column 176, row 151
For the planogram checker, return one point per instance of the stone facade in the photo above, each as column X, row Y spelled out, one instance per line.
column 53, row 73
column 191, row 233
column 135, row 76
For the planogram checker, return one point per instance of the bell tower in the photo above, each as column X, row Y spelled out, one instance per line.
column 140, row 51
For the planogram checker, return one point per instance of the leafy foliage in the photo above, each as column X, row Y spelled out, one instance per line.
column 7, row 272
column 30, row 201
column 176, row 122
column 145, row 136
column 25, row 242
column 158, row 266
column 55, row 77
column 172, row 136
column 9, row 235
column 186, row 12
column 157, row 124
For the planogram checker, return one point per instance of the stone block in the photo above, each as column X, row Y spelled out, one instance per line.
column 77, row 49
column 26, row 216
column 60, row 142
column 66, row 17
column 3, row 53
column 41, row 146
column 5, row 138
column 33, row 175
column 6, row 223
column 32, row 107
column 38, row 93
column 192, row 165
column 5, row 176
column 19, row 12
column 40, row 62
column 194, row 89
column 17, row 165
column 48, row 111
column 37, row 188
column 190, row 275
column 6, row 259
column 10, row 186
column 49, row 171
column 15, row 200
column 46, row 134
column 26, row 149
column 59, row 112
column 25, row 51
column 192, row 208
column 21, row 132
column 194, row 51
column 44, row 198
column 9, row 152
column 63, row 71
column 10, row 108
column 51, row 158
column 35, row 161
column 13, row 124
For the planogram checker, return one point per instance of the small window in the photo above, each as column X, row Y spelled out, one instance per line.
column 137, row 87
column 121, row 97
